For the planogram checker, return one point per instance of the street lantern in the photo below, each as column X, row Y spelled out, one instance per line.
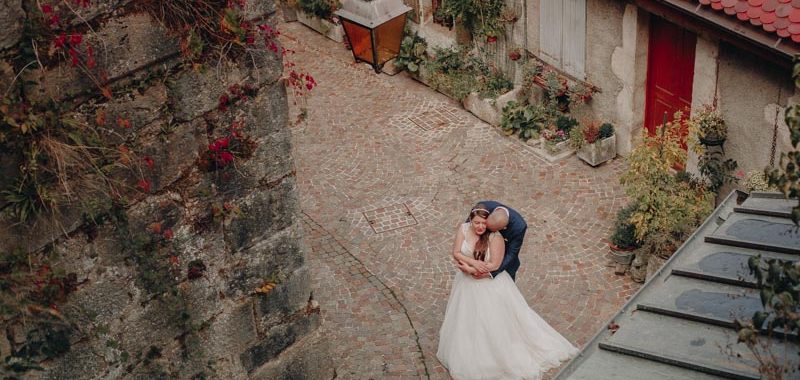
column 374, row 29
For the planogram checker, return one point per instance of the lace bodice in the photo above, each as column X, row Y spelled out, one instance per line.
column 468, row 247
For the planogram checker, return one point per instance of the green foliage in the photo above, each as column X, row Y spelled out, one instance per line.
column 715, row 170
column 412, row 52
column 624, row 235
column 665, row 203
column 320, row 8
column 566, row 123
column 523, row 119
column 457, row 73
column 778, row 282
column 482, row 17
column 606, row 130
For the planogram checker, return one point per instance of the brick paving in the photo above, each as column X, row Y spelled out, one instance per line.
column 386, row 169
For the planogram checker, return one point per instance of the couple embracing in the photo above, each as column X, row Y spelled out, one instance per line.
column 489, row 332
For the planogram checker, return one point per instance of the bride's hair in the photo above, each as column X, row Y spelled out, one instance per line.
column 482, row 245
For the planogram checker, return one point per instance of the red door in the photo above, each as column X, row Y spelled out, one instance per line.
column 670, row 72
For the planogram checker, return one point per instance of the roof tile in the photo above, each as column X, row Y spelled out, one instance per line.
column 781, row 17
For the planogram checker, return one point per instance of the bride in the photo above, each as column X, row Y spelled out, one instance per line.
column 489, row 332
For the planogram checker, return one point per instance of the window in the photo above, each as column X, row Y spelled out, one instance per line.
column 562, row 34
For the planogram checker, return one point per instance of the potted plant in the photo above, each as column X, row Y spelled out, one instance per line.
column 716, row 170
column 318, row 15
column 554, row 140
column 756, row 180
column 599, row 144
column 412, row 53
column 708, row 126
column 623, row 240
column 525, row 120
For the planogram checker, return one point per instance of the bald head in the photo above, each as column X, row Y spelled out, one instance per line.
column 497, row 220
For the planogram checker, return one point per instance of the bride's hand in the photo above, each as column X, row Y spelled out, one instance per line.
column 480, row 266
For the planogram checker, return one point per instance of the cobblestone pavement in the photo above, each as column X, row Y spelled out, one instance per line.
column 386, row 169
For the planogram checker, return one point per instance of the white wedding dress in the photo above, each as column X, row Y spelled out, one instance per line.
column 489, row 332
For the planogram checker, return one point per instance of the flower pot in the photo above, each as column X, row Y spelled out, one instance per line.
column 622, row 256
column 555, row 148
column 600, row 151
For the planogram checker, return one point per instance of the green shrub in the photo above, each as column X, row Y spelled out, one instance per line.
column 606, row 130
column 624, row 235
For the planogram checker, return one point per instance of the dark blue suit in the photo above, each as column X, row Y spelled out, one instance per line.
column 513, row 235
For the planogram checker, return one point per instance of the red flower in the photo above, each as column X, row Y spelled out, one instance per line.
column 47, row 8
column 54, row 20
column 75, row 39
column 225, row 158
column 223, row 142
column 148, row 161
column 144, row 185
column 491, row 39
column 60, row 40
column 74, row 56
column 224, row 101
column 90, row 62
column 168, row 234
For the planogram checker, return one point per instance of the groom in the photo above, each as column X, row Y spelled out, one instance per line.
column 512, row 226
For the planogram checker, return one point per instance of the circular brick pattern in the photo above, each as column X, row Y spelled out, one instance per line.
column 374, row 142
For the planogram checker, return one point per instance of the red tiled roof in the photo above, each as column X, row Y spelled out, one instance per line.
column 781, row 17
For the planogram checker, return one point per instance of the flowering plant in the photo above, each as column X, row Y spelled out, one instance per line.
column 756, row 180
column 554, row 136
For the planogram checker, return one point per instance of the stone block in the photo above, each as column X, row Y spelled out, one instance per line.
column 139, row 109
column 272, row 258
column 264, row 212
column 130, row 43
column 288, row 297
column 271, row 161
column 267, row 113
column 307, row 359
column 173, row 149
column 122, row 48
column 49, row 226
column 232, row 331
column 103, row 301
column 278, row 339
column 11, row 18
column 79, row 363
column 193, row 93
column 254, row 10
column 157, row 323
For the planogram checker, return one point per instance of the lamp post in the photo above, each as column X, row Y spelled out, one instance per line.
column 374, row 29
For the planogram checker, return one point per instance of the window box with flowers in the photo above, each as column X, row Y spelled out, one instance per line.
column 318, row 15
column 598, row 144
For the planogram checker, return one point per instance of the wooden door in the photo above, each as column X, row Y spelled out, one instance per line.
column 670, row 72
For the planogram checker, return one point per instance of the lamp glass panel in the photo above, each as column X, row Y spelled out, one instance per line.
column 360, row 40
column 388, row 37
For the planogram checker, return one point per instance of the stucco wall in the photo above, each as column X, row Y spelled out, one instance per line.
column 752, row 95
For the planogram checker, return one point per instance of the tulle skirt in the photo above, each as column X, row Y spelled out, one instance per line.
column 489, row 332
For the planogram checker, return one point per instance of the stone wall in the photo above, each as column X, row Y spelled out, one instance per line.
column 136, row 313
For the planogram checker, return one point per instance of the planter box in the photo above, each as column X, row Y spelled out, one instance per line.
column 489, row 110
column 322, row 26
column 599, row 152
column 554, row 152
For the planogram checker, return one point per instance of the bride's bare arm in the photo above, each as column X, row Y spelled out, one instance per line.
column 497, row 246
column 458, row 258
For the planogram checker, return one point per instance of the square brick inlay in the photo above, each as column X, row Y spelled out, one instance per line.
column 390, row 218
column 435, row 118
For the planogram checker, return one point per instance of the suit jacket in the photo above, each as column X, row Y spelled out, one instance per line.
column 513, row 234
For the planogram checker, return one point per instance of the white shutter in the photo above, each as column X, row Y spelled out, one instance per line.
column 550, row 30
column 573, row 55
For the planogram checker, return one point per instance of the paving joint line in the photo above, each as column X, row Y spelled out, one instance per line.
column 393, row 295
